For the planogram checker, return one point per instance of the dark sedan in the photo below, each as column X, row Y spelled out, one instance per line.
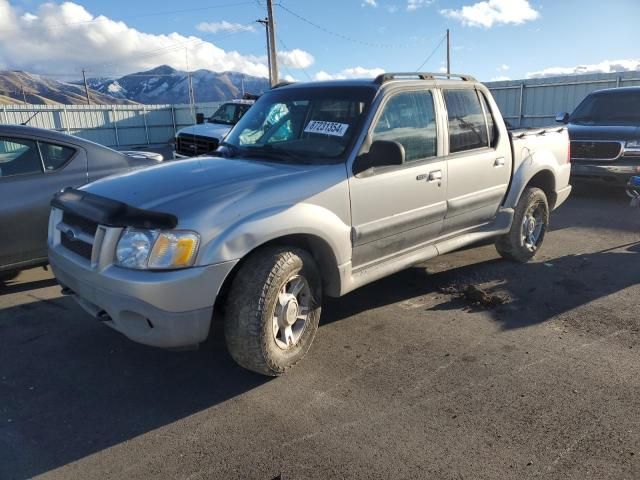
column 605, row 136
column 35, row 164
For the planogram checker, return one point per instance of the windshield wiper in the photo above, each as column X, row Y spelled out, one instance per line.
column 274, row 153
column 231, row 148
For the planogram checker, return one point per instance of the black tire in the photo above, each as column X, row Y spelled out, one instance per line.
column 10, row 275
column 514, row 245
column 251, row 306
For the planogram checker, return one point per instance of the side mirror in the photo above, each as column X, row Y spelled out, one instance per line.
column 381, row 153
column 199, row 118
column 562, row 117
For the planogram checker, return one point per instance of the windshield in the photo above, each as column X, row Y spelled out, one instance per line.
column 229, row 113
column 611, row 108
column 306, row 125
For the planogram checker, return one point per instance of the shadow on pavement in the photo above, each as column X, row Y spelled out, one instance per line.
column 70, row 387
column 538, row 291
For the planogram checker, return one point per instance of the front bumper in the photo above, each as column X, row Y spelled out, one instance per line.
column 613, row 173
column 168, row 309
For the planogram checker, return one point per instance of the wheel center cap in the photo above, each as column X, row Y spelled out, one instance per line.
column 290, row 312
column 531, row 225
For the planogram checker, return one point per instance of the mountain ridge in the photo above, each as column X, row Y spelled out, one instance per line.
column 159, row 85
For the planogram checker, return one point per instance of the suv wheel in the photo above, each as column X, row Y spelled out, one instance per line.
column 9, row 275
column 530, row 223
column 273, row 310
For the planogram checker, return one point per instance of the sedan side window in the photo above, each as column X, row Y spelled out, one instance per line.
column 55, row 156
column 467, row 127
column 409, row 119
column 18, row 157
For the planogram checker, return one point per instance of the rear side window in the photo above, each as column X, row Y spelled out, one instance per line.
column 467, row 126
column 55, row 156
column 409, row 119
column 18, row 157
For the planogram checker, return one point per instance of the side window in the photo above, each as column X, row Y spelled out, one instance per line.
column 18, row 157
column 491, row 124
column 409, row 119
column 55, row 156
column 467, row 127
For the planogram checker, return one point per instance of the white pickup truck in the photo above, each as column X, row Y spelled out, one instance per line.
column 319, row 189
column 204, row 138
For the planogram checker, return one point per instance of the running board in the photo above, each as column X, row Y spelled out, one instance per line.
column 368, row 274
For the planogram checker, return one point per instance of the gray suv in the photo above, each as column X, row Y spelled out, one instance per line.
column 319, row 189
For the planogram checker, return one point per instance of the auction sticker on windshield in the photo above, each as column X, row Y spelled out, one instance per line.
column 329, row 128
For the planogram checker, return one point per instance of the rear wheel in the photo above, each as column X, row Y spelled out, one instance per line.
column 530, row 223
column 273, row 309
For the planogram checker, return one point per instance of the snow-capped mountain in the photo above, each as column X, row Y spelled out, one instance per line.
column 164, row 84
column 23, row 87
column 160, row 85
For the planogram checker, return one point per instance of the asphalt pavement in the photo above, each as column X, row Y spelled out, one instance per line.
column 414, row 376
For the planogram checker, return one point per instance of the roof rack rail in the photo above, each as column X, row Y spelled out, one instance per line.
column 386, row 77
column 284, row 83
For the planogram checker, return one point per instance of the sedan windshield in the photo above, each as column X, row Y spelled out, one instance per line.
column 610, row 108
column 301, row 124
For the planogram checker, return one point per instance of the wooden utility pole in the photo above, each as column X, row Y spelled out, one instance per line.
column 448, row 53
column 265, row 22
column 273, row 63
column 86, row 88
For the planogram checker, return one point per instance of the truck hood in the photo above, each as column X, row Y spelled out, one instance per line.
column 603, row 132
column 211, row 130
column 219, row 189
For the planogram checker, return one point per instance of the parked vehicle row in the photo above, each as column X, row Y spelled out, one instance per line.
column 319, row 188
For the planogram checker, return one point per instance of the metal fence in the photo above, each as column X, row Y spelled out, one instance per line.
column 523, row 103
column 111, row 125
column 535, row 102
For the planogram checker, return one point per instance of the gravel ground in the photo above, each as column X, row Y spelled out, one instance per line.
column 410, row 377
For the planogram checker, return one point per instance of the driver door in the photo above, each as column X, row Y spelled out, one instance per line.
column 399, row 208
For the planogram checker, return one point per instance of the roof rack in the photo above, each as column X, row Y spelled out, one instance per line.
column 284, row 83
column 386, row 77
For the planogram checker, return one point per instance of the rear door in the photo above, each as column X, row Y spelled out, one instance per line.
column 479, row 161
column 397, row 208
column 31, row 172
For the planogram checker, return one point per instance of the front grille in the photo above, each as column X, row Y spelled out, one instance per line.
column 586, row 150
column 192, row 145
column 83, row 224
column 76, row 246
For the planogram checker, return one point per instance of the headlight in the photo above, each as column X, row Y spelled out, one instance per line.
column 155, row 249
column 632, row 145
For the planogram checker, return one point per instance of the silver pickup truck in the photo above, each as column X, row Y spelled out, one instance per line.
column 319, row 189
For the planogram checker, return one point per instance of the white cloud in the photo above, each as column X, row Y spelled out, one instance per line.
column 369, row 3
column 354, row 72
column 503, row 68
column 416, row 4
column 500, row 78
column 224, row 26
column 607, row 66
column 63, row 38
column 493, row 12
column 296, row 58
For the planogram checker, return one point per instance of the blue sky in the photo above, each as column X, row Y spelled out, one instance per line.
column 490, row 39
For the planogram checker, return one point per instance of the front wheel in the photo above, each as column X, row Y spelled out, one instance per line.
column 530, row 223
column 273, row 310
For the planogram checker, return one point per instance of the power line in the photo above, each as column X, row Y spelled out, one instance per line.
column 285, row 66
column 340, row 35
column 432, row 53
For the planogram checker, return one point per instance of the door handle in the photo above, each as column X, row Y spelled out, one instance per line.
column 499, row 162
column 435, row 176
